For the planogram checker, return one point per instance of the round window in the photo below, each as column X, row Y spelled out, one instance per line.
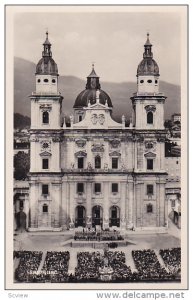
column 45, row 80
column 149, row 81
column 53, row 81
column 38, row 80
column 156, row 81
column 141, row 81
column 45, row 145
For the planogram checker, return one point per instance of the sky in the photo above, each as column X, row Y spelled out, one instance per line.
column 112, row 40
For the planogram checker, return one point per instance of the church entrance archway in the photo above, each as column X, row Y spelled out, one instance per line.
column 114, row 216
column 97, row 215
column 21, row 220
column 80, row 216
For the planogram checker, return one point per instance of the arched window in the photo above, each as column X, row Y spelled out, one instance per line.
column 149, row 208
column 45, row 208
column 45, row 117
column 97, row 162
column 150, row 117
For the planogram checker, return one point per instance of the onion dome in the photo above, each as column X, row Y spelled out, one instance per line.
column 148, row 65
column 46, row 65
column 89, row 94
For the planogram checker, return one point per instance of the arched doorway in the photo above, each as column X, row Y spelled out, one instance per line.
column 21, row 220
column 80, row 216
column 97, row 215
column 114, row 216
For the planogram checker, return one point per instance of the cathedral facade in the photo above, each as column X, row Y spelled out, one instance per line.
column 97, row 172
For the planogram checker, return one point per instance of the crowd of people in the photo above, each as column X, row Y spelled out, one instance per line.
column 98, row 236
column 149, row 267
column 172, row 259
column 91, row 264
column 28, row 264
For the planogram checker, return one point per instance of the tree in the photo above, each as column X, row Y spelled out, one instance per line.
column 21, row 121
column 21, row 165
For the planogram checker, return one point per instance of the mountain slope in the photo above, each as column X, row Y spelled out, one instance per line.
column 70, row 87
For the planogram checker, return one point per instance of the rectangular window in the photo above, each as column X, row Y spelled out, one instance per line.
column 173, row 203
column 150, row 189
column 45, row 163
column 114, row 187
column 149, row 164
column 149, row 208
column 80, row 187
column 80, row 162
column 45, row 189
column 114, row 163
column 21, row 204
column 97, row 188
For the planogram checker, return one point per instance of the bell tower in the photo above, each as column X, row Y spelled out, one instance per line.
column 148, row 102
column 46, row 101
column 45, row 145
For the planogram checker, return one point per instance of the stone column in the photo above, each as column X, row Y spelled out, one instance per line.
column 72, row 208
column 56, row 205
column 106, row 205
column 33, row 204
column 26, row 209
column 162, row 205
column 129, row 212
column 123, row 200
column 89, row 204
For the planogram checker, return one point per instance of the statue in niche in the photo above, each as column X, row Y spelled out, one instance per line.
column 71, row 119
column 72, row 166
column 106, row 167
column 88, row 219
column 123, row 219
column 122, row 165
column 89, row 166
column 106, row 219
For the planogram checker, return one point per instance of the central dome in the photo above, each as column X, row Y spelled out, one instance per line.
column 89, row 94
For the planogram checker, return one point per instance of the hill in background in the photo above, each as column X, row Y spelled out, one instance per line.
column 71, row 86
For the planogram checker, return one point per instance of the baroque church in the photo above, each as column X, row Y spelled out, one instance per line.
column 97, row 172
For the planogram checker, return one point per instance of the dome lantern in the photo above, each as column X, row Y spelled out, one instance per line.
column 90, row 92
column 148, row 65
column 46, row 65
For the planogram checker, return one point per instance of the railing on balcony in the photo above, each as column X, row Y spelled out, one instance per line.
column 121, row 170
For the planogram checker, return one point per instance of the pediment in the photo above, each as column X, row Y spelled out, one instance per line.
column 45, row 153
column 97, row 148
column 80, row 154
column 114, row 153
column 150, row 155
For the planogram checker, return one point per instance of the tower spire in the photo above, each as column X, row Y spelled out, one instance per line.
column 47, row 47
column 147, row 47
